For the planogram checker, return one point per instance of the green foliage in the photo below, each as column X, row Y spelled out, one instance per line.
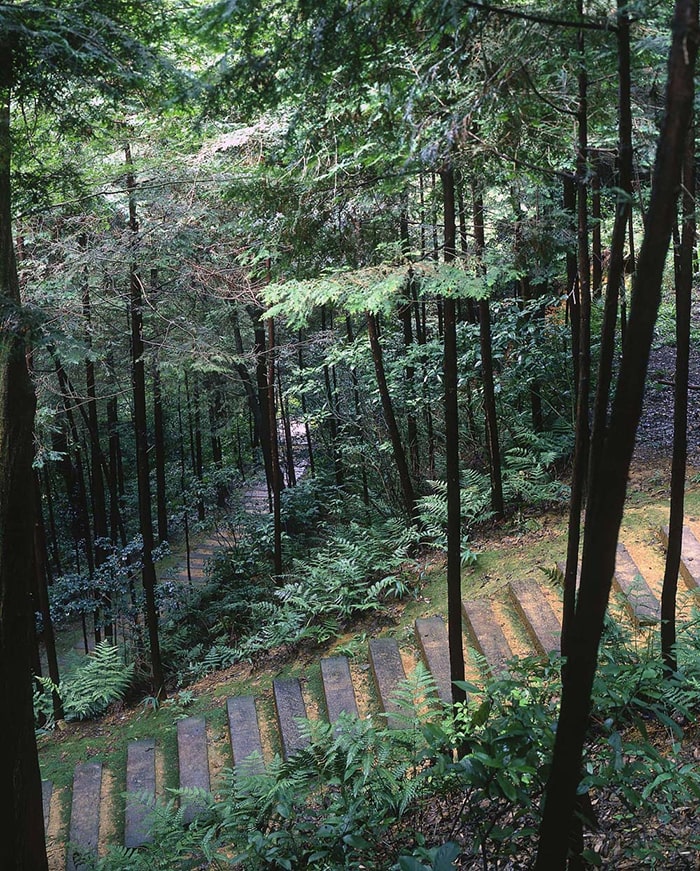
column 102, row 679
column 357, row 795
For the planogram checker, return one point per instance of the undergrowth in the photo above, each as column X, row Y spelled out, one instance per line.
column 462, row 784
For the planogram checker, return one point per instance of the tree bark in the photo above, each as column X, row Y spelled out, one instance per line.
column 454, row 512
column 607, row 491
column 407, row 492
column 274, row 453
column 22, row 847
column 684, row 287
column 141, row 436
column 492, row 440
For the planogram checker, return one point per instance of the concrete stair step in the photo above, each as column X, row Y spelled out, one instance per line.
column 244, row 734
column 290, row 708
column 542, row 624
column 338, row 690
column 643, row 606
column 431, row 633
column 140, row 791
column 46, row 791
column 388, row 672
column 193, row 761
column 85, row 814
column 489, row 639
column 690, row 556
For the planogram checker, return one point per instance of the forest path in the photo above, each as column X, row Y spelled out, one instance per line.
column 249, row 729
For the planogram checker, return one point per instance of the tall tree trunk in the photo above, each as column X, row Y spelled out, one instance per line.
column 288, row 443
column 607, row 492
column 333, row 414
column 198, row 455
column 684, row 287
column 55, row 550
column 581, row 445
column 406, row 484
column 492, row 439
column 22, row 847
column 274, row 454
column 616, row 268
column 42, row 580
column 454, row 512
column 307, row 429
column 406, row 316
column 97, row 488
column 159, row 443
column 186, row 509
column 141, row 436
column 357, row 424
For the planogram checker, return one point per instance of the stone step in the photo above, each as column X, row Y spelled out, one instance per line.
column 487, row 634
column 290, row 708
column 431, row 633
column 542, row 624
column 85, row 815
column 337, row 688
column 193, row 761
column 643, row 606
column 690, row 556
column 244, row 733
column 140, row 791
column 46, row 790
column 388, row 672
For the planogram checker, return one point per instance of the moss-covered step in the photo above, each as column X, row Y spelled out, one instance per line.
column 641, row 603
column 487, row 635
column 193, row 761
column 542, row 624
column 46, row 790
column 690, row 556
column 140, row 791
column 290, row 708
column 431, row 634
column 338, row 690
column 244, row 733
column 388, row 671
column 85, row 815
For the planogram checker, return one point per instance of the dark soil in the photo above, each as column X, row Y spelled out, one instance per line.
column 655, row 434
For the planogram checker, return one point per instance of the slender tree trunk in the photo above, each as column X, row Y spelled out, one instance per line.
column 22, row 847
column 42, row 579
column 55, row 550
column 288, row 443
column 492, row 440
column 198, row 455
column 454, row 512
column 407, row 492
column 607, row 491
column 616, row 265
column 333, row 415
column 307, row 429
column 276, row 475
column 684, row 287
column 357, row 423
column 186, row 510
column 97, row 487
column 141, row 437
column 159, row 442
column 581, row 445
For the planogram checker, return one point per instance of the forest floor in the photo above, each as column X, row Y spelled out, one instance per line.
column 523, row 545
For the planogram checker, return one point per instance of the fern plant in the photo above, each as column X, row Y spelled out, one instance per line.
column 102, row 679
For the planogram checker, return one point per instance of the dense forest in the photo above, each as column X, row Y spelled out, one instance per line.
column 398, row 265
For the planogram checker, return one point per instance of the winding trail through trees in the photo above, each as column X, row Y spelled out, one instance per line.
column 524, row 619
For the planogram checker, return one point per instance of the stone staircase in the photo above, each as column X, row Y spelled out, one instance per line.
column 527, row 611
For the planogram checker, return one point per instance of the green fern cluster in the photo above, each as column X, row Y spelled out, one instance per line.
column 357, row 570
column 102, row 679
